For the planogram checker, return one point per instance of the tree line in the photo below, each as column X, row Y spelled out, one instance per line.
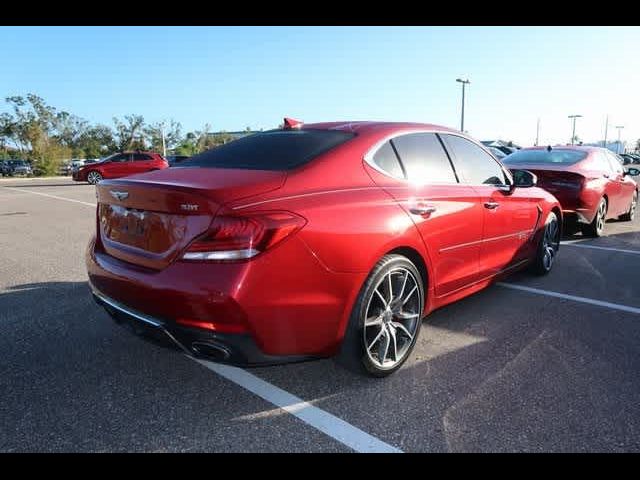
column 47, row 136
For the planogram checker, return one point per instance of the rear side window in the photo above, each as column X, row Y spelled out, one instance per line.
column 141, row 157
column 122, row 157
column 271, row 150
column 475, row 165
column 557, row 156
column 424, row 159
column 387, row 160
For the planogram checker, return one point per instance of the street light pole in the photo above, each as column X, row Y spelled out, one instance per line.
column 606, row 127
column 573, row 135
column 537, row 132
column 619, row 127
column 464, row 83
column 164, row 146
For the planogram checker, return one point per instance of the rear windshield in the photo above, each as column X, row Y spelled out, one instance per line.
column 270, row 150
column 565, row 157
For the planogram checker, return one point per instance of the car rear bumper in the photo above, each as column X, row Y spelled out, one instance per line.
column 282, row 307
column 234, row 349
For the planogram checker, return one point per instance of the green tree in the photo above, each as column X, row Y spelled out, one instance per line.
column 130, row 132
column 97, row 141
column 35, row 128
column 172, row 135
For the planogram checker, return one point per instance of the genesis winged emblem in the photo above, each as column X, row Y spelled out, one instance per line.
column 119, row 195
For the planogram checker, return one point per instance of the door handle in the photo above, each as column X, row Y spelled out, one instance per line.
column 422, row 209
column 491, row 205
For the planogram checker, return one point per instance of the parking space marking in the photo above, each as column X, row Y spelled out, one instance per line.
column 575, row 243
column 590, row 301
column 327, row 423
column 52, row 196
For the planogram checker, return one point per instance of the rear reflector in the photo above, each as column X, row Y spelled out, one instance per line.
column 223, row 255
column 243, row 236
column 216, row 327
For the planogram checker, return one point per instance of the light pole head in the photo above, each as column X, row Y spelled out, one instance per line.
column 574, row 116
column 462, row 81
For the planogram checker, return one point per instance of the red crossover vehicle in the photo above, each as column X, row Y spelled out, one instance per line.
column 590, row 183
column 314, row 240
column 120, row 165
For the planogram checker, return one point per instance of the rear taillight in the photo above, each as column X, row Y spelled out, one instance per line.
column 240, row 237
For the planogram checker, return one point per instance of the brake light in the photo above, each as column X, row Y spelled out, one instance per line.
column 244, row 236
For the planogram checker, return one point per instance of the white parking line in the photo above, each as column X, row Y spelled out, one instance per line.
column 595, row 247
column 590, row 301
column 331, row 425
column 52, row 196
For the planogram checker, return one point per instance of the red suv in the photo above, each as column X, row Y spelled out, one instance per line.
column 120, row 165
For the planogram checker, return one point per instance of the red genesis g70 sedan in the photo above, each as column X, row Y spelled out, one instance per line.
column 590, row 183
column 120, row 165
column 315, row 240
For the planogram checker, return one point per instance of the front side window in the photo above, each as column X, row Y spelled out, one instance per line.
column 424, row 159
column 616, row 166
column 473, row 164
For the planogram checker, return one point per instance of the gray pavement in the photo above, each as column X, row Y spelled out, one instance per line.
column 503, row 370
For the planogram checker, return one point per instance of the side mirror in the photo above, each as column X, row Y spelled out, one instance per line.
column 634, row 172
column 524, row 179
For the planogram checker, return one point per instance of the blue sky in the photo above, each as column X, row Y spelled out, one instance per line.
column 233, row 77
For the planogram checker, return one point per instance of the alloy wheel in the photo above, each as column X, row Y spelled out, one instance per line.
column 94, row 177
column 602, row 210
column 550, row 243
column 392, row 318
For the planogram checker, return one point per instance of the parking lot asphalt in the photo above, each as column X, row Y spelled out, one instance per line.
column 544, row 369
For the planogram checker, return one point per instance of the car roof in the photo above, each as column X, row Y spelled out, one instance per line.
column 374, row 126
column 577, row 148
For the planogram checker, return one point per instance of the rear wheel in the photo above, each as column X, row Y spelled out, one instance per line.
column 631, row 213
column 94, row 177
column 596, row 227
column 386, row 318
column 548, row 246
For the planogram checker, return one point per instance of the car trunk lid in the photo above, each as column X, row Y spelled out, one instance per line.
column 561, row 181
column 150, row 220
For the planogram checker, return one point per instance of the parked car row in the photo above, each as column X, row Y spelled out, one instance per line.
column 590, row 183
column 630, row 158
column 13, row 168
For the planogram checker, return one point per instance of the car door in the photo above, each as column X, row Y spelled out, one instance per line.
column 509, row 215
column 141, row 163
column 621, row 187
column 116, row 167
column 446, row 213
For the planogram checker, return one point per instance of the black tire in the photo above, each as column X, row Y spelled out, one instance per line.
column 631, row 213
column 548, row 246
column 596, row 227
column 403, row 327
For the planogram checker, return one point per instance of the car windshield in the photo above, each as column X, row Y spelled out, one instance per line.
column 557, row 156
column 270, row 150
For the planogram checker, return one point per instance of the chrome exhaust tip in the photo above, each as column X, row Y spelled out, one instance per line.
column 211, row 350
